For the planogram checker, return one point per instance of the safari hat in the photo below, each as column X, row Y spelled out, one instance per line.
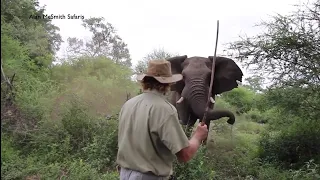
column 161, row 71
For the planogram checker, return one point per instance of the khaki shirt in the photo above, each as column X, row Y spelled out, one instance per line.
column 149, row 134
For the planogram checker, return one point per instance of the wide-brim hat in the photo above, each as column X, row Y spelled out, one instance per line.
column 161, row 71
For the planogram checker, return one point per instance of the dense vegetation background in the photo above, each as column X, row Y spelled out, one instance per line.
column 58, row 121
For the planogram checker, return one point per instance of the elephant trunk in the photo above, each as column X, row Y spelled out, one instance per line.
column 198, row 103
column 199, row 110
column 198, row 99
column 217, row 114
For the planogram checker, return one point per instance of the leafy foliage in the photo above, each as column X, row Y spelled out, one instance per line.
column 289, row 51
column 156, row 54
column 196, row 168
column 104, row 43
column 50, row 129
column 240, row 98
column 38, row 35
column 255, row 83
column 100, row 77
column 293, row 146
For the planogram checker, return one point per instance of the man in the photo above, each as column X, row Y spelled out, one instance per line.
column 150, row 135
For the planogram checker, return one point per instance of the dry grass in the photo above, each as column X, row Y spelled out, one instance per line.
column 101, row 98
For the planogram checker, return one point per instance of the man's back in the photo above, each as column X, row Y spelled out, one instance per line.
column 147, row 123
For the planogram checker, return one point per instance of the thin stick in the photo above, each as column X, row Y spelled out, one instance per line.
column 212, row 77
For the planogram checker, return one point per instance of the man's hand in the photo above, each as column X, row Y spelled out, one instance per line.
column 201, row 133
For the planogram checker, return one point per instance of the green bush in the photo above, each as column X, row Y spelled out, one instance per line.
column 293, row 145
column 309, row 171
column 11, row 163
column 81, row 144
column 78, row 125
column 267, row 171
column 101, row 153
column 262, row 117
column 297, row 101
column 256, row 116
column 223, row 104
column 197, row 168
column 78, row 133
column 14, row 166
column 57, row 139
column 241, row 98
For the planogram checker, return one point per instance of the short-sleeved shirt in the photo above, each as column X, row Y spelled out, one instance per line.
column 149, row 134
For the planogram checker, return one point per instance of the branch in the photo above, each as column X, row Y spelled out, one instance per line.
column 9, row 83
column 4, row 76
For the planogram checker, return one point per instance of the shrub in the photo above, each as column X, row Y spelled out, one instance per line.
column 79, row 145
column 268, row 171
column 197, row 168
column 256, row 116
column 309, row 171
column 293, row 145
column 241, row 98
column 101, row 153
column 263, row 117
column 223, row 104
column 15, row 166
column 55, row 140
column 11, row 164
column 77, row 133
column 78, row 125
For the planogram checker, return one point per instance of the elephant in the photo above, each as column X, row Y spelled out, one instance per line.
column 190, row 95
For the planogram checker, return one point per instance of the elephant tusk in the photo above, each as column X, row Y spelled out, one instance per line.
column 180, row 100
column 212, row 100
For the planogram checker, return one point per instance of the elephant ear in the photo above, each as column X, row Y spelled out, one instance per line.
column 226, row 75
column 176, row 68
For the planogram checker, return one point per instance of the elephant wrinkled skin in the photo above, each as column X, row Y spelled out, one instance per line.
column 190, row 94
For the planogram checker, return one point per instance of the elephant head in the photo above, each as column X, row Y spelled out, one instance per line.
column 191, row 93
